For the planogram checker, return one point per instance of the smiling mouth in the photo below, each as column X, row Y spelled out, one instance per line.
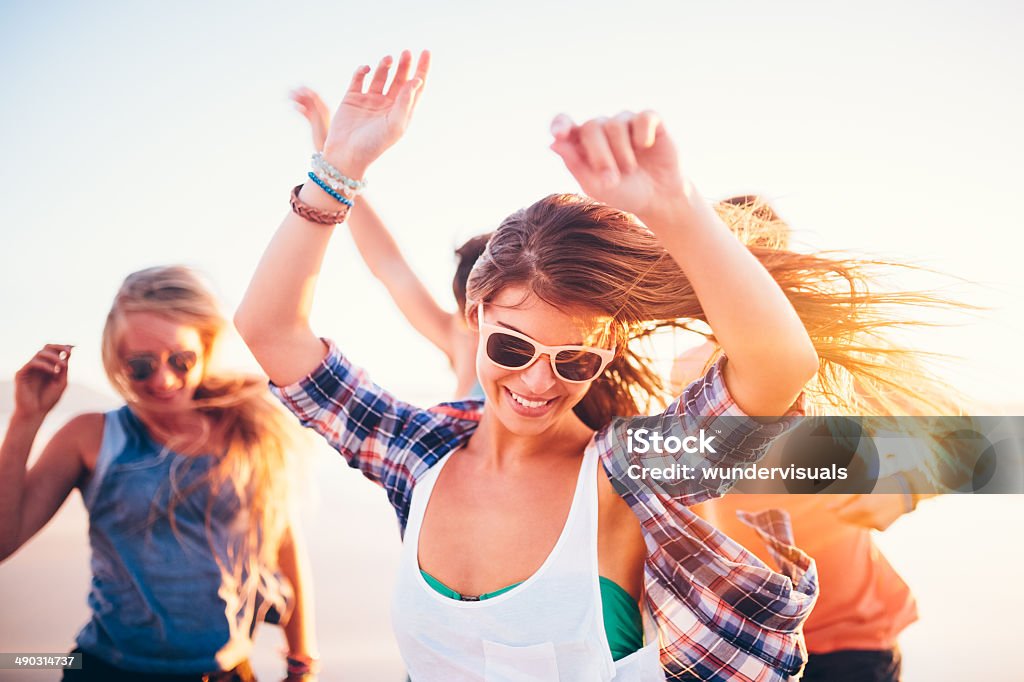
column 527, row 406
column 163, row 396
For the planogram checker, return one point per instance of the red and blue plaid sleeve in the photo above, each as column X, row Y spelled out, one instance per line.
column 722, row 614
column 392, row 442
column 706, row 413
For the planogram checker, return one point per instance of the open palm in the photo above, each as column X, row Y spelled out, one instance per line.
column 367, row 123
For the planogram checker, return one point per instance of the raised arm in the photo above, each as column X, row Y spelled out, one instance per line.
column 273, row 318
column 630, row 162
column 379, row 249
column 29, row 499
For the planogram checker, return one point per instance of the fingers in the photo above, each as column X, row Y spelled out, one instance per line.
column 423, row 66
column 308, row 101
column 401, row 73
column 400, row 81
column 358, row 78
column 52, row 359
column 596, row 149
column 303, row 103
column 319, row 106
column 617, row 132
column 570, row 153
column 408, row 95
column 644, row 128
column 607, row 146
column 407, row 98
column 420, row 79
column 562, row 127
column 45, row 366
column 380, row 76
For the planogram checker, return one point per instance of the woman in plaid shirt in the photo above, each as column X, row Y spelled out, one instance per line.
column 563, row 289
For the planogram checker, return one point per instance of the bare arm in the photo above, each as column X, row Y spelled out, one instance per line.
column 631, row 163
column 382, row 255
column 300, row 630
column 273, row 318
column 29, row 499
column 378, row 248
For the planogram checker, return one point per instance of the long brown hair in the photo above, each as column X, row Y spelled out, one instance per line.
column 247, row 431
column 572, row 252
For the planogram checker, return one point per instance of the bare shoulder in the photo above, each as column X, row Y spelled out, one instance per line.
column 82, row 436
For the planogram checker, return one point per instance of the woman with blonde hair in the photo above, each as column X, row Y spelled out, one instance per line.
column 531, row 551
column 186, row 489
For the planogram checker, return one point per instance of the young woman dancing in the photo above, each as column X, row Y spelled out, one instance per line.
column 528, row 547
column 186, row 491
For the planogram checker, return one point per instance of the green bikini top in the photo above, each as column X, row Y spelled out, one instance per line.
column 622, row 624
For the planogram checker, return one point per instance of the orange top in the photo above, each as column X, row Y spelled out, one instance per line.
column 864, row 604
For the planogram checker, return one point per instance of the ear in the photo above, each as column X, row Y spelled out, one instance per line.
column 472, row 316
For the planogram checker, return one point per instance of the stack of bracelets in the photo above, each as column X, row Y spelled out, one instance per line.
column 340, row 187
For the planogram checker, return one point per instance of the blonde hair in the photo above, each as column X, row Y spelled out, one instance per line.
column 247, row 431
column 572, row 252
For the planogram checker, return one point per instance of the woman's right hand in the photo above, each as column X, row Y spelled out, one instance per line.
column 367, row 123
column 41, row 382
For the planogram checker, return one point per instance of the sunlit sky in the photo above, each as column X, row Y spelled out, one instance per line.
column 135, row 134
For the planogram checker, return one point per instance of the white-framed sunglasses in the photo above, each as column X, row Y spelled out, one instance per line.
column 509, row 349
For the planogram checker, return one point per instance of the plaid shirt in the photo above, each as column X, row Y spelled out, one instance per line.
column 721, row 613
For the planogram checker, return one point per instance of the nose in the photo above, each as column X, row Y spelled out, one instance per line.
column 165, row 379
column 539, row 377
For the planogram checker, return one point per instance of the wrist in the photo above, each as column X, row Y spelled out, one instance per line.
column 300, row 664
column 680, row 207
column 345, row 161
column 26, row 419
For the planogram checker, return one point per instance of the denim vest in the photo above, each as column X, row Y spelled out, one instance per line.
column 160, row 601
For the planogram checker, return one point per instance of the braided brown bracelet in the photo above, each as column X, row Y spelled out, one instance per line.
column 316, row 215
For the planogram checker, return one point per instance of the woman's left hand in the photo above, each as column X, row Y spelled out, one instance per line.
column 628, row 161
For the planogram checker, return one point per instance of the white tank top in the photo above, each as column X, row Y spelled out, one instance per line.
column 550, row 628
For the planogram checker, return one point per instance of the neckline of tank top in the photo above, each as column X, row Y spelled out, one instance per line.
column 139, row 427
column 589, row 453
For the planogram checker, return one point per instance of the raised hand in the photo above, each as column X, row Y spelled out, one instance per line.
column 628, row 161
column 367, row 123
column 41, row 382
column 311, row 105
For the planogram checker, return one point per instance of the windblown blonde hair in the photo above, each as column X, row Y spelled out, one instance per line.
column 572, row 252
column 248, row 432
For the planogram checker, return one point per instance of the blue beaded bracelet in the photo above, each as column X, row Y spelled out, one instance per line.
column 323, row 185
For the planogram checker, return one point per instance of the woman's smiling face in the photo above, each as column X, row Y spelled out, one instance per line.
column 530, row 401
column 168, row 387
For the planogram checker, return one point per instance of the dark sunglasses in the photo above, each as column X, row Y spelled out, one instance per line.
column 510, row 349
column 144, row 365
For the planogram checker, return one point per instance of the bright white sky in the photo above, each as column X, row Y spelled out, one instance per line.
column 134, row 134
